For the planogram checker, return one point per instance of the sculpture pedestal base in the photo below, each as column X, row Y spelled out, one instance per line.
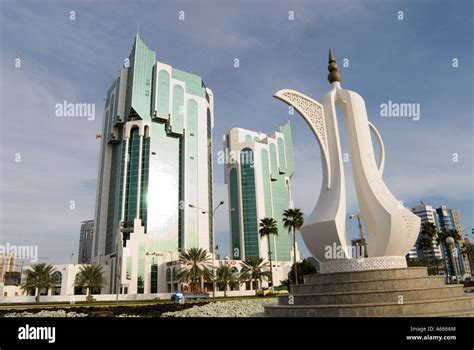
column 364, row 264
column 374, row 293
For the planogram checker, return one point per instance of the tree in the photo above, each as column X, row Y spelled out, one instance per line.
column 418, row 262
column 90, row 277
column 226, row 276
column 305, row 267
column 254, row 269
column 195, row 267
column 268, row 227
column 428, row 234
column 448, row 233
column 39, row 277
column 293, row 220
column 425, row 243
column 467, row 249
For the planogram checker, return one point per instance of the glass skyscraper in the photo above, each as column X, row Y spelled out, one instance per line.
column 449, row 219
column 156, row 159
column 257, row 172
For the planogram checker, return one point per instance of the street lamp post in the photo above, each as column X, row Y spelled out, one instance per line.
column 213, row 254
column 361, row 233
column 450, row 243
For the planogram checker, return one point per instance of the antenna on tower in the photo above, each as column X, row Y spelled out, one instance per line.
column 138, row 28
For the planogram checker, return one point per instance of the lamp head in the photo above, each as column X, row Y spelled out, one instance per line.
column 450, row 240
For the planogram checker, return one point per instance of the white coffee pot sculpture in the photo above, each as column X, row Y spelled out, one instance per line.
column 392, row 229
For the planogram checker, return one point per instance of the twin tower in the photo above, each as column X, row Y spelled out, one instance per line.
column 154, row 188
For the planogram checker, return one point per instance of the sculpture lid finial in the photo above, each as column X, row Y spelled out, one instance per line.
column 334, row 74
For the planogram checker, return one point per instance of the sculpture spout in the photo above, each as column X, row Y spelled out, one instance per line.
column 326, row 225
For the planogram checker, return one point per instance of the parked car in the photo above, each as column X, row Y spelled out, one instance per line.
column 181, row 296
column 178, row 296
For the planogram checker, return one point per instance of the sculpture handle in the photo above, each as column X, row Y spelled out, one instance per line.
column 382, row 148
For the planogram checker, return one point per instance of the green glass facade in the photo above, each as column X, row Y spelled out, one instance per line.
column 281, row 155
column 142, row 60
column 273, row 161
column 154, row 279
column 164, row 190
column 234, row 214
column 194, row 84
column 209, row 177
column 192, row 172
column 249, row 204
column 177, row 117
column 132, row 177
column 163, row 108
column 280, row 201
column 286, row 130
column 113, row 202
column 267, row 189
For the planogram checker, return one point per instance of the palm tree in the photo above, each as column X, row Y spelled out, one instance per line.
column 467, row 249
column 448, row 233
column 254, row 269
column 426, row 243
column 195, row 267
column 90, row 277
column 428, row 233
column 293, row 220
column 268, row 227
column 39, row 277
column 226, row 276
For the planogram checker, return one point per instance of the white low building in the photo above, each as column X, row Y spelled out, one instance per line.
column 161, row 284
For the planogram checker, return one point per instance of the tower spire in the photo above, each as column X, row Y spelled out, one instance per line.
column 334, row 74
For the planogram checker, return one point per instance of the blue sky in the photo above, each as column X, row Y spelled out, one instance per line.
column 408, row 61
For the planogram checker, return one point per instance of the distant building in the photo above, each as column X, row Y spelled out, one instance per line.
column 163, row 282
column 449, row 219
column 8, row 275
column 457, row 224
column 7, row 264
column 426, row 214
column 64, row 276
column 444, row 219
column 85, row 242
